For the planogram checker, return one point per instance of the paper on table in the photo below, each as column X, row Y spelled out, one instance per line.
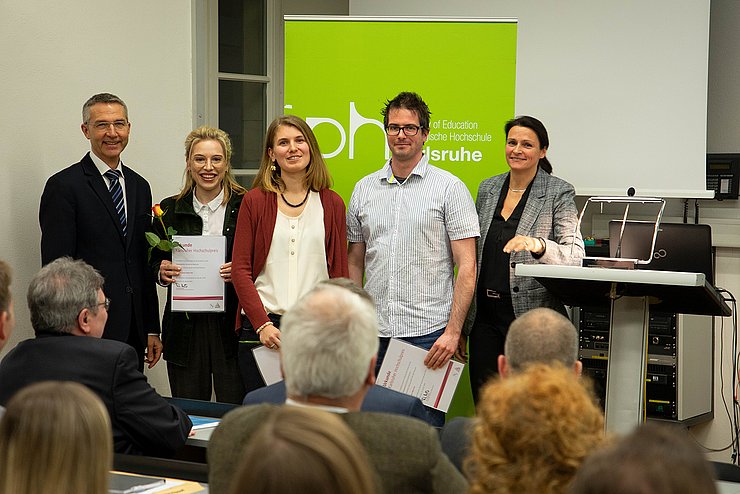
column 199, row 287
column 268, row 363
column 121, row 483
column 200, row 422
column 403, row 370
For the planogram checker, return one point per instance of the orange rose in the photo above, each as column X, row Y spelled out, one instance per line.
column 157, row 210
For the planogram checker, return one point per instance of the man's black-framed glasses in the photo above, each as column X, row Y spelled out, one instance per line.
column 408, row 130
column 105, row 303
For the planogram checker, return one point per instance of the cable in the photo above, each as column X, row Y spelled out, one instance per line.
column 696, row 211
column 734, row 418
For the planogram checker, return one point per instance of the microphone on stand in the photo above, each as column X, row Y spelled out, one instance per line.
column 630, row 193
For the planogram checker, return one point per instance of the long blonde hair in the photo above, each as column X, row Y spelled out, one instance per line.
column 205, row 133
column 317, row 174
column 55, row 437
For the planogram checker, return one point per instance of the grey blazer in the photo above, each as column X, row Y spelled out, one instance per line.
column 550, row 213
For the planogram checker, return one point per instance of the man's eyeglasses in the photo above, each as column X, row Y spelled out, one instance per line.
column 119, row 125
column 105, row 303
column 408, row 130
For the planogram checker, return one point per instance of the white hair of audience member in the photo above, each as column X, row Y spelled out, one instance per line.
column 329, row 338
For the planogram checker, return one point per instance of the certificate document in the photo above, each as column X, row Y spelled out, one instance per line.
column 199, row 288
column 268, row 363
column 403, row 370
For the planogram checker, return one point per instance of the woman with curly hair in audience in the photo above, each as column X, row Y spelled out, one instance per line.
column 534, row 430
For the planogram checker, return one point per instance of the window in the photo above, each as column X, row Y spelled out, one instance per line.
column 234, row 74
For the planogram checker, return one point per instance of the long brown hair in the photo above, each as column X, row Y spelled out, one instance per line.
column 205, row 133
column 317, row 174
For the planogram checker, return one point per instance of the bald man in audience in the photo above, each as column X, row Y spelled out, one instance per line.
column 329, row 348
column 539, row 336
column 7, row 319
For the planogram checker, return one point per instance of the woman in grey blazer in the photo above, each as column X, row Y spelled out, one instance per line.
column 526, row 216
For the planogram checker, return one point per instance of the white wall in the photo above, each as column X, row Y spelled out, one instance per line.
column 593, row 71
column 55, row 55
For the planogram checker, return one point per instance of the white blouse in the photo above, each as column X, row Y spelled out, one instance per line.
column 297, row 257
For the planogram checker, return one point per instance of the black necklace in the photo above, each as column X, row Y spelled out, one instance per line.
column 296, row 205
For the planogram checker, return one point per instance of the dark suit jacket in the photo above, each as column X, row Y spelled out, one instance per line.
column 456, row 438
column 78, row 219
column 377, row 399
column 405, row 452
column 550, row 213
column 143, row 422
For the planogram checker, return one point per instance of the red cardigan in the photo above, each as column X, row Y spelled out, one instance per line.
column 254, row 230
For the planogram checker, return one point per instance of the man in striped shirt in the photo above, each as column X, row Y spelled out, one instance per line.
column 409, row 225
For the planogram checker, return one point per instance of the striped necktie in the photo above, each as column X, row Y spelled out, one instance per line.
column 116, row 192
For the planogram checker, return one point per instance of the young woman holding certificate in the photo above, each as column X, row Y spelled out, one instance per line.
column 201, row 347
column 291, row 234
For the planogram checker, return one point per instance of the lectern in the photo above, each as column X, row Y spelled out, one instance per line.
column 630, row 294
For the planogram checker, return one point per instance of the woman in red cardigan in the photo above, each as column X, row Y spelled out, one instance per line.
column 291, row 234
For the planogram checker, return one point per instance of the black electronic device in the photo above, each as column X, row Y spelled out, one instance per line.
column 673, row 389
column 723, row 175
column 685, row 247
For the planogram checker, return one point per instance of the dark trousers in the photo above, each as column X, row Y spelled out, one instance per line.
column 208, row 368
column 134, row 341
column 487, row 338
column 249, row 339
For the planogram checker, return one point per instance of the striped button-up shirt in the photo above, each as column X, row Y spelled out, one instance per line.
column 407, row 229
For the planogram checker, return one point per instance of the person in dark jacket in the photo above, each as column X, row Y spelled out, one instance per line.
column 68, row 313
column 201, row 347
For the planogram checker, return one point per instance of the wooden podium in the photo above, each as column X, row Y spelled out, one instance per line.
column 630, row 294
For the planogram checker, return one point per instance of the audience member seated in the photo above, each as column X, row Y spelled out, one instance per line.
column 300, row 449
column 377, row 399
column 68, row 313
column 534, row 430
column 329, row 347
column 538, row 336
column 6, row 309
column 653, row 459
column 55, row 437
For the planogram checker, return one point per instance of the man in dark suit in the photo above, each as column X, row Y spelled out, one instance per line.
column 539, row 336
column 328, row 352
column 68, row 313
column 97, row 210
column 377, row 399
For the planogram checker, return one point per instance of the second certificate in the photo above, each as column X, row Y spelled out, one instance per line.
column 199, row 288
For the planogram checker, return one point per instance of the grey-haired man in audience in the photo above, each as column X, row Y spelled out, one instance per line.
column 68, row 313
column 328, row 353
